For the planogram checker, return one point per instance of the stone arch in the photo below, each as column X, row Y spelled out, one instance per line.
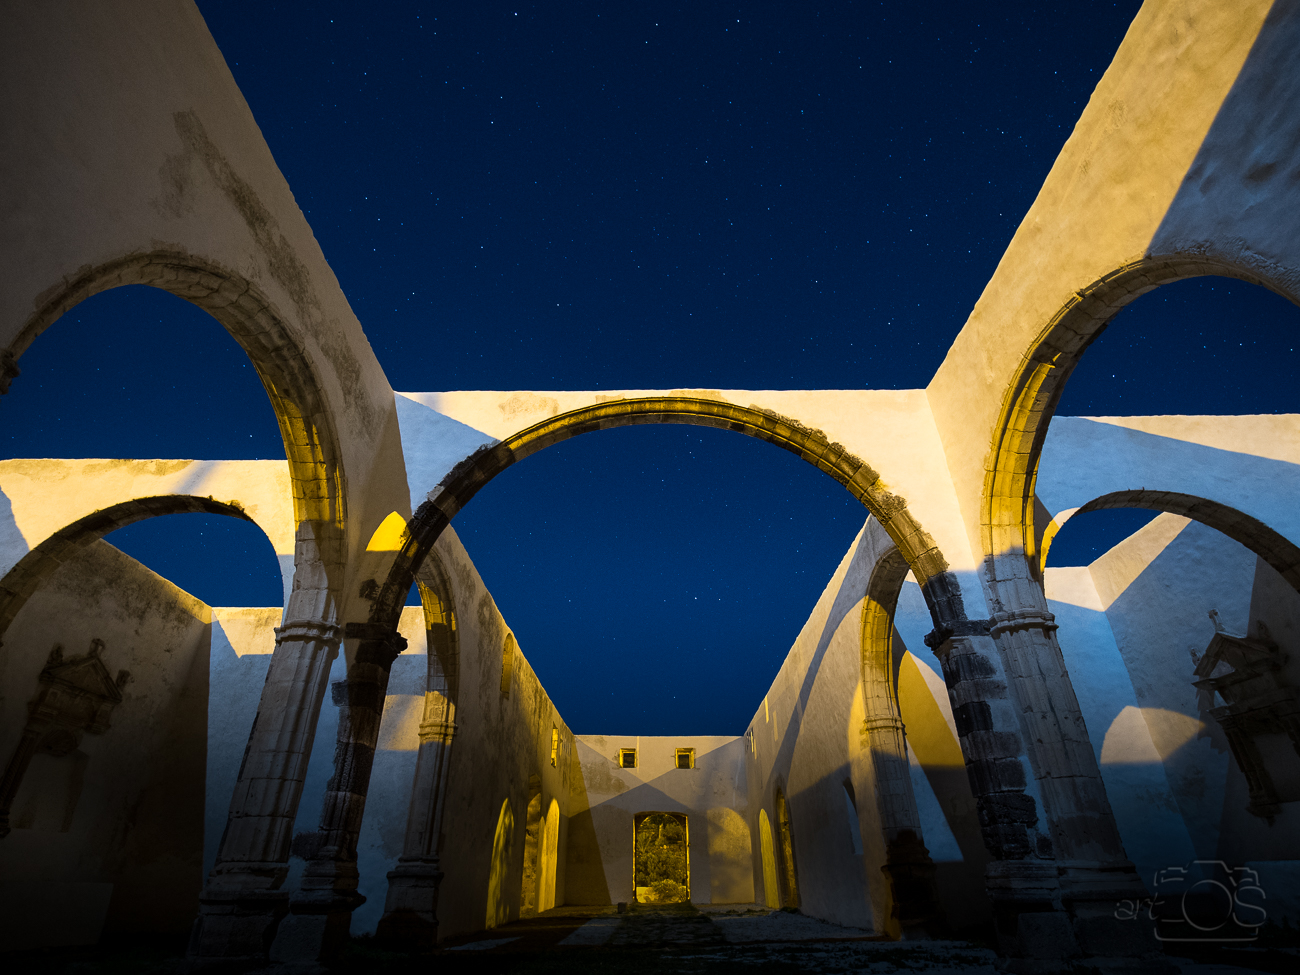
column 468, row 477
column 307, row 425
column 787, row 870
column 380, row 643
column 1007, row 504
column 532, row 848
column 548, row 857
column 1275, row 549
column 499, row 900
column 767, row 853
column 1082, row 825
column 36, row 567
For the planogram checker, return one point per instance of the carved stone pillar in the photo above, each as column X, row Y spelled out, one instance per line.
column 241, row 903
column 411, row 908
column 321, row 909
column 1022, row 879
column 1093, row 872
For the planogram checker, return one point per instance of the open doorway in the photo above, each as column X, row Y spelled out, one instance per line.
column 661, row 852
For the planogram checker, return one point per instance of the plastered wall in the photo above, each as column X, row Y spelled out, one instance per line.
column 117, row 837
column 108, row 839
column 607, row 797
column 808, row 742
column 1129, row 624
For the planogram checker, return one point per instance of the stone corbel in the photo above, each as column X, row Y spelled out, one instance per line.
column 8, row 370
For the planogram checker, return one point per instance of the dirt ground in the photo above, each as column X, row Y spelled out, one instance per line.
column 676, row 938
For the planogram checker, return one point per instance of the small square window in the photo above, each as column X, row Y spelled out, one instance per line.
column 686, row 758
column 627, row 758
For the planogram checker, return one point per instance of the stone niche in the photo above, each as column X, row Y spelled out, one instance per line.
column 1260, row 713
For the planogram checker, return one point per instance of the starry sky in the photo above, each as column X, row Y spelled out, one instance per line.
column 589, row 196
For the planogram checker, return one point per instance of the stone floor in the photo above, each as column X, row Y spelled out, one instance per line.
column 668, row 939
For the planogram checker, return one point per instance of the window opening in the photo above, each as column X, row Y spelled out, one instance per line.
column 555, row 747
column 686, row 758
column 507, row 663
column 627, row 758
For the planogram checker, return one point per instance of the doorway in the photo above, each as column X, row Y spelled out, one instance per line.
column 661, row 856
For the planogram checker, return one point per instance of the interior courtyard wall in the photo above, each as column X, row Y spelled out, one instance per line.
column 607, row 797
column 502, row 742
column 108, row 839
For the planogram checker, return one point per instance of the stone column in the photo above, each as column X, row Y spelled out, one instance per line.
column 411, row 908
column 241, row 903
column 907, row 861
column 1093, row 871
column 1022, row 879
column 321, row 909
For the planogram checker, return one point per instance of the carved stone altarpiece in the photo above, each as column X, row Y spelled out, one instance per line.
column 76, row 696
column 1246, row 673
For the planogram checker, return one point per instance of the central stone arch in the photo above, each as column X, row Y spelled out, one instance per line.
column 330, row 876
column 468, row 477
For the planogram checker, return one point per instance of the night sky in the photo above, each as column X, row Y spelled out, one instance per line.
column 576, row 196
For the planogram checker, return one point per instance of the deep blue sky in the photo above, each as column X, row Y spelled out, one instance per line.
column 578, row 196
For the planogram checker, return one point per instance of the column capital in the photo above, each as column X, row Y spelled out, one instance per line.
column 320, row 630
column 380, row 644
column 435, row 731
column 1023, row 619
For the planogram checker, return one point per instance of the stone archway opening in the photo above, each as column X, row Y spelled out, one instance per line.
column 1279, row 552
column 1008, row 518
column 864, row 483
column 307, row 427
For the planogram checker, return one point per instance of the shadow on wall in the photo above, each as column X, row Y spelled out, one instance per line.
column 1134, row 625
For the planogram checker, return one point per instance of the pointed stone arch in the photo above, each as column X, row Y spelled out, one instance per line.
column 908, row 865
